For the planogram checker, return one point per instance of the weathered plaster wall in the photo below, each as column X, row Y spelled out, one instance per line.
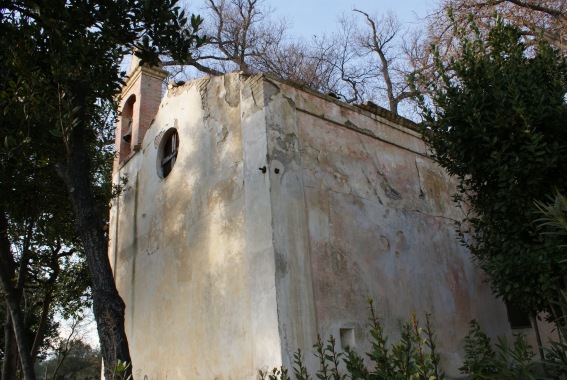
column 296, row 305
column 226, row 268
column 184, row 247
column 374, row 219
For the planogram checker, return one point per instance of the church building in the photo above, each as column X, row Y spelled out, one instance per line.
column 258, row 214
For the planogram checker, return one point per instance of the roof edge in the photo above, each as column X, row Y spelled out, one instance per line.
column 367, row 106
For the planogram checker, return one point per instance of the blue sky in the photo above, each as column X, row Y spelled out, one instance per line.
column 316, row 16
column 312, row 17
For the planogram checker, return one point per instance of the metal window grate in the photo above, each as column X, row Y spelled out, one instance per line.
column 169, row 153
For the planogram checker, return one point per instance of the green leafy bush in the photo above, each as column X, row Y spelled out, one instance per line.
column 513, row 362
column 412, row 358
column 556, row 356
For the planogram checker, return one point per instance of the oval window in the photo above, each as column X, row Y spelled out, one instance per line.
column 170, row 147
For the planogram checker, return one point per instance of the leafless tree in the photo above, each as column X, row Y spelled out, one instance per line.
column 537, row 19
column 239, row 32
column 545, row 19
column 368, row 57
column 381, row 39
column 328, row 63
column 300, row 62
column 363, row 60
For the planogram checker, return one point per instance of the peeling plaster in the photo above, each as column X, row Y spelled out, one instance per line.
column 232, row 259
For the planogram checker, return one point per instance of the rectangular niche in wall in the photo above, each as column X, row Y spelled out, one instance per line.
column 347, row 337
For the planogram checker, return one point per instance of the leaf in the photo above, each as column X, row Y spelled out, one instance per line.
column 56, row 132
column 9, row 142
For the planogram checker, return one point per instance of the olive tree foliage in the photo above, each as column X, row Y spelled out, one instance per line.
column 496, row 121
column 59, row 74
column 73, row 360
column 39, row 270
column 44, row 258
column 49, row 275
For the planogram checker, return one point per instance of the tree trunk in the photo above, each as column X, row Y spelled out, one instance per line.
column 13, row 297
column 107, row 304
column 19, row 332
column 46, row 304
column 562, row 300
column 10, row 364
column 42, row 325
column 538, row 337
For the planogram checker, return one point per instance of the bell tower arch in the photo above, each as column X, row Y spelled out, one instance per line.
column 139, row 103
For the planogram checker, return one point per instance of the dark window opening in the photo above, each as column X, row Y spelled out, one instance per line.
column 517, row 317
column 128, row 135
column 170, row 149
column 124, row 144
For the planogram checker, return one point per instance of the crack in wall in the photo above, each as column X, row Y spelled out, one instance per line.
column 290, row 101
column 256, row 89
column 343, row 193
column 373, row 188
column 421, row 192
column 350, row 125
column 434, row 216
column 285, row 148
column 203, row 89
column 389, row 191
column 270, row 92
column 223, row 134
column 347, row 259
column 232, row 90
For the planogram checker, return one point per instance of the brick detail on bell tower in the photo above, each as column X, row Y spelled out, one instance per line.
column 139, row 103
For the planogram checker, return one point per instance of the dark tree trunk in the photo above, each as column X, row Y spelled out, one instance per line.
column 10, row 364
column 13, row 297
column 538, row 337
column 107, row 304
column 42, row 325
column 46, row 304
